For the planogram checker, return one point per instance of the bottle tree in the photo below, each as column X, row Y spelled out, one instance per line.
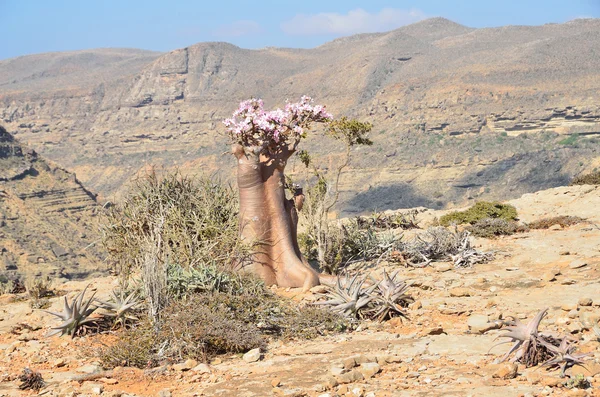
column 263, row 142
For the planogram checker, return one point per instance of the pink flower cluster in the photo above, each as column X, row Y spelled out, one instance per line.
column 252, row 125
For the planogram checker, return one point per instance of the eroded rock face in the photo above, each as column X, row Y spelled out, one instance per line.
column 46, row 216
column 451, row 106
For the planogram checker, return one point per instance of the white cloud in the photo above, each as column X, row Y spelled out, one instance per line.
column 355, row 21
column 238, row 29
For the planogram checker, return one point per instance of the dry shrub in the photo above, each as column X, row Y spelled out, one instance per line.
column 563, row 221
column 440, row 243
column 494, row 227
column 191, row 221
column 347, row 242
column 383, row 221
column 208, row 324
column 481, row 210
column 31, row 380
column 593, row 178
column 172, row 220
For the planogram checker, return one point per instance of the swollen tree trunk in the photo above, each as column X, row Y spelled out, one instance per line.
column 268, row 220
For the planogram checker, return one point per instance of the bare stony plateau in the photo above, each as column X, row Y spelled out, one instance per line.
column 439, row 351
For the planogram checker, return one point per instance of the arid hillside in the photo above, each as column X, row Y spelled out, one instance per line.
column 47, row 218
column 459, row 113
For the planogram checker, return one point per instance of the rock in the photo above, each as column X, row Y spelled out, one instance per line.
column 319, row 289
column 505, row 371
column 460, row 292
column 574, row 328
column 185, row 366
column 435, row 331
column 416, row 305
column 568, row 307
column 331, row 382
column 94, row 388
column 550, row 381
column 164, row 393
column 578, row 263
column 337, row 369
column 555, row 227
column 108, row 381
column 275, row 382
column 202, row 369
column 393, row 359
column 252, row 356
column 368, row 370
column 89, row 369
column 568, row 281
column 349, row 363
column 60, row 362
column 358, row 392
column 585, row 302
column 442, row 267
column 480, row 323
column 365, row 358
column 350, row 377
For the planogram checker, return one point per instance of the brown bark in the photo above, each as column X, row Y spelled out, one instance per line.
column 269, row 220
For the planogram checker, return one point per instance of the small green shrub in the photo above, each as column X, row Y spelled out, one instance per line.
column 563, row 221
column 570, row 140
column 481, row 210
column 593, row 178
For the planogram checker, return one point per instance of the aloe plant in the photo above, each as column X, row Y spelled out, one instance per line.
column 389, row 298
column 349, row 297
column 525, row 338
column 120, row 306
column 564, row 356
column 75, row 315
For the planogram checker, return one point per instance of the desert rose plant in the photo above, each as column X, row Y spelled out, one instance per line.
column 262, row 142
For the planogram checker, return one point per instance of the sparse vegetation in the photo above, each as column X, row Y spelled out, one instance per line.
column 76, row 316
column 347, row 242
column 440, row 243
column 494, row 227
column 207, row 324
column 481, row 210
column 563, row 221
column 593, row 178
column 172, row 220
column 31, row 380
column 531, row 347
column 381, row 300
column 38, row 289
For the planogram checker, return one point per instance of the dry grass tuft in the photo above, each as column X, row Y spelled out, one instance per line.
column 563, row 221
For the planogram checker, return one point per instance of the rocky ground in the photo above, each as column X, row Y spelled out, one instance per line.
column 442, row 350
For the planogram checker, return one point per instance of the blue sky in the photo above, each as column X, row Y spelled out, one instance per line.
column 30, row 26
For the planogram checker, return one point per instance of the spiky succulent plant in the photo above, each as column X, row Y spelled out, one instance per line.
column 526, row 340
column 349, row 296
column 120, row 306
column 389, row 298
column 564, row 356
column 74, row 316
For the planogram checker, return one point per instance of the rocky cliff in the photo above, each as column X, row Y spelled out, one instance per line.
column 47, row 218
column 459, row 113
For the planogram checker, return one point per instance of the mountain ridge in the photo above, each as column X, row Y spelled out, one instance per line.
column 435, row 84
